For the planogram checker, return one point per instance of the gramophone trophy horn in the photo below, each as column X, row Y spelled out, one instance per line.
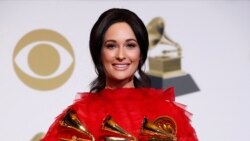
column 111, row 126
column 71, row 121
column 156, row 133
column 157, row 35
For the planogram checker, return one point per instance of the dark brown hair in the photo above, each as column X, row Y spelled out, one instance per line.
column 105, row 20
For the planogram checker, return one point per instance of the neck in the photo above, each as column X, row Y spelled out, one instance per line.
column 113, row 84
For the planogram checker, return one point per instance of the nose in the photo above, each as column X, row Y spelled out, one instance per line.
column 120, row 54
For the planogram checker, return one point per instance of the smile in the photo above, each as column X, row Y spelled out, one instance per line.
column 120, row 67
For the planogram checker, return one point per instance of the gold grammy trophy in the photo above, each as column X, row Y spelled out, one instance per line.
column 165, row 69
column 161, row 129
column 71, row 121
column 118, row 133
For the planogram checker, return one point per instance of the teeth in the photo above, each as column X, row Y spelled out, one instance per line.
column 120, row 66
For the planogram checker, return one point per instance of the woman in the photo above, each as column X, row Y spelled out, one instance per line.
column 119, row 106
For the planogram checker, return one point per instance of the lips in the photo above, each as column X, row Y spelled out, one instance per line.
column 120, row 67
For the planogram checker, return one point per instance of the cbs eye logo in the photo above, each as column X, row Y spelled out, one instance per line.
column 43, row 59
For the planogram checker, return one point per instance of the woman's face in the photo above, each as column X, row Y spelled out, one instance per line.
column 120, row 55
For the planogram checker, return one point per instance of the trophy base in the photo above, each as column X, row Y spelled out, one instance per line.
column 182, row 84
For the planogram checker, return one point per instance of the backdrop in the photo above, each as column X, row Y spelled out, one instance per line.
column 214, row 36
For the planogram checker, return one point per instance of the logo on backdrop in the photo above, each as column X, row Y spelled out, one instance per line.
column 43, row 59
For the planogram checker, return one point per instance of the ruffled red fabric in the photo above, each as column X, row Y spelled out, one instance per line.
column 128, row 107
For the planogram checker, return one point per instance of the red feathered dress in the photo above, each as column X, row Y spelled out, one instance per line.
column 127, row 107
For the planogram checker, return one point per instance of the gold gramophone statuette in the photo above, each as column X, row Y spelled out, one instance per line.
column 170, row 60
column 111, row 126
column 162, row 129
column 71, row 121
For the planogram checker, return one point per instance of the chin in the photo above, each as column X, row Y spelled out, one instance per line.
column 122, row 77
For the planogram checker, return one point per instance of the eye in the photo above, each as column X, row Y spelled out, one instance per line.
column 110, row 46
column 132, row 44
column 43, row 59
